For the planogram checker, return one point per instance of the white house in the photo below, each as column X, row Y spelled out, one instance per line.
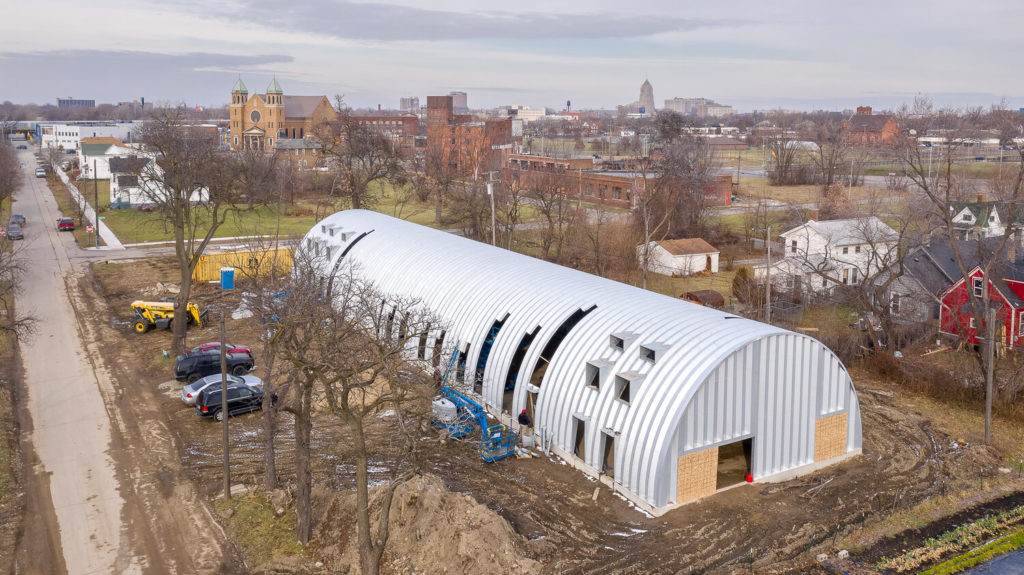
column 94, row 156
column 680, row 257
column 135, row 179
column 818, row 256
column 977, row 220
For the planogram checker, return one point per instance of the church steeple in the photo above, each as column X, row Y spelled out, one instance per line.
column 239, row 94
column 274, row 93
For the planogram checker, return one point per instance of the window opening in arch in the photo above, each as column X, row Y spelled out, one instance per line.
column 556, row 340
column 435, row 359
column 513, row 369
column 485, row 353
column 421, row 347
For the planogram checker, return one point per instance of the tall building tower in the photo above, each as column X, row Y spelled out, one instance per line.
column 239, row 95
column 460, row 101
column 647, row 98
column 275, row 109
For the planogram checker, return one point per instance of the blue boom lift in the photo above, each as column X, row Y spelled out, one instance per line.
column 496, row 441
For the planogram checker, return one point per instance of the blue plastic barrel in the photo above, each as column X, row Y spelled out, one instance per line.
column 227, row 278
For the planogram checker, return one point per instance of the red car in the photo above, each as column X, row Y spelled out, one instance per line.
column 66, row 224
column 215, row 346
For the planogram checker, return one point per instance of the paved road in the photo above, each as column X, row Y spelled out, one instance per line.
column 70, row 427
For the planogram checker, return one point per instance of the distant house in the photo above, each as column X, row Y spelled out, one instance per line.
column 819, row 256
column 868, row 129
column 124, row 181
column 912, row 289
column 681, row 257
column 977, row 220
column 94, row 156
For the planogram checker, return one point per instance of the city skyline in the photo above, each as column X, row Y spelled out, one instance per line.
column 793, row 55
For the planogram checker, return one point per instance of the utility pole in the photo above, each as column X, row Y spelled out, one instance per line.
column 490, row 192
column 96, row 203
column 990, row 359
column 768, row 277
column 224, row 407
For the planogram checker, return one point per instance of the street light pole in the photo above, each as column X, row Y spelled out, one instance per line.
column 96, row 204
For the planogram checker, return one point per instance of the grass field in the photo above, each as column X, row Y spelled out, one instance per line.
column 69, row 208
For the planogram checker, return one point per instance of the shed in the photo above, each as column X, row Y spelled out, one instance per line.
column 681, row 257
column 661, row 399
column 706, row 297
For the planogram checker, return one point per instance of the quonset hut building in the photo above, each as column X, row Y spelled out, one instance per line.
column 664, row 400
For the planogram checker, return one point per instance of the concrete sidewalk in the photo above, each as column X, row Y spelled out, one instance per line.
column 106, row 234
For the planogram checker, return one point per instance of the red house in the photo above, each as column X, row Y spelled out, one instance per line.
column 1006, row 292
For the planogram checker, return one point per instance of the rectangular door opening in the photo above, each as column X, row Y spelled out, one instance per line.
column 608, row 459
column 579, row 447
column 733, row 463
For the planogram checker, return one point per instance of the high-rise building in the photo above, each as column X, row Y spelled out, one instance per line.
column 646, row 98
column 410, row 105
column 459, row 101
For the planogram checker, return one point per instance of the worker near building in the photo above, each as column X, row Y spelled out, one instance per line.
column 524, row 419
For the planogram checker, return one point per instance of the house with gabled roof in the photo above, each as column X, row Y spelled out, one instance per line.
column 94, row 156
column 977, row 220
column 866, row 128
column 681, row 257
column 260, row 120
column 819, row 256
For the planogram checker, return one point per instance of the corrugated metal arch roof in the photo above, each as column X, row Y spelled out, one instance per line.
column 470, row 285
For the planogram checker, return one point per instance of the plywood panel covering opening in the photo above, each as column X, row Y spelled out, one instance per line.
column 698, row 475
column 829, row 437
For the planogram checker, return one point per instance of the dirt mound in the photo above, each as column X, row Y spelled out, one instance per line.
column 432, row 530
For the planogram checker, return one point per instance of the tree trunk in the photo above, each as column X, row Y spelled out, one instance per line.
column 269, row 424
column 370, row 551
column 304, row 475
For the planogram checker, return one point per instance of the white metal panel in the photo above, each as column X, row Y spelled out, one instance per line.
column 716, row 376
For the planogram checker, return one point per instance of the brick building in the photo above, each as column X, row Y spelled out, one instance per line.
column 263, row 119
column 470, row 147
column 401, row 129
column 868, row 129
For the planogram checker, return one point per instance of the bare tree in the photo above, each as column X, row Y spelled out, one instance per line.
column 10, row 171
column 948, row 184
column 362, row 353
column 193, row 187
column 361, row 157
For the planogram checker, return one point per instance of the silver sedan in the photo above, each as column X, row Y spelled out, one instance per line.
column 191, row 391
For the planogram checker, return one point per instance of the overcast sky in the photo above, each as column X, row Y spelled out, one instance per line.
column 796, row 54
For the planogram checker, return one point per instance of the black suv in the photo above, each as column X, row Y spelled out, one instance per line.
column 241, row 399
column 191, row 366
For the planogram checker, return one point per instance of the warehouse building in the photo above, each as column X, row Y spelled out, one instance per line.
column 661, row 399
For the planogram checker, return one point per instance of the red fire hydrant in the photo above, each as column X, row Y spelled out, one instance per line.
column 750, row 478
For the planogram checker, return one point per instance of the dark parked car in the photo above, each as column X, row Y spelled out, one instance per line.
column 241, row 399
column 22, row 147
column 66, row 224
column 14, row 232
column 18, row 219
column 191, row 366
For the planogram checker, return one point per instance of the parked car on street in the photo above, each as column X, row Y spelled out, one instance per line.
column 191, row 391
column 14, row 232
column 241, row 399
column 22, row 147
column 18, row 219
column 65, row 224
column 193, row 365
column 40, row 173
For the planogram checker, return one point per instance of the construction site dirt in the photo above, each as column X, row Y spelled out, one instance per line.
column 913, row 451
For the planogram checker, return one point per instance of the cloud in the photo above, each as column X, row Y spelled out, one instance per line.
column 388, row 22
column 112, row 76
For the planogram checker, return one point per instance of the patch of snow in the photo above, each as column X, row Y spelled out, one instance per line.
column 385, row 414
